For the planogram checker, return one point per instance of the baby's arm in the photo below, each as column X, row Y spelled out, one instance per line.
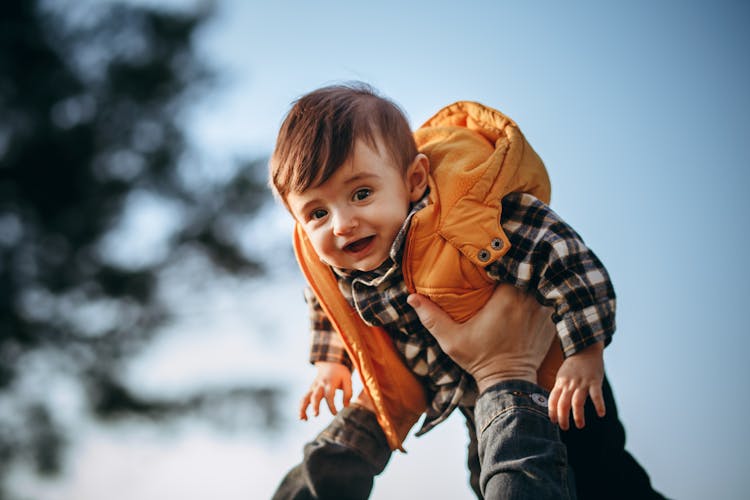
column 330, row 378
column 580, row 376
column 548, row 258
column 328, row 354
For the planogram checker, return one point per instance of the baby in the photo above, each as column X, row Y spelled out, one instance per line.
column 448, row 212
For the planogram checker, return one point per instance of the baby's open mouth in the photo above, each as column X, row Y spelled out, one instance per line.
column 358, row 245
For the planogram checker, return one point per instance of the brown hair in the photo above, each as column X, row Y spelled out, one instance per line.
column 319, row 132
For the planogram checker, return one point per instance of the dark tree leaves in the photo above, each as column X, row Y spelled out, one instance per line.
column 90, row 122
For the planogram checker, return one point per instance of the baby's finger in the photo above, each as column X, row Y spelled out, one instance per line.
column 347, row 391
column 598, row 399
column 554, row 398
column 563, row 409
column 303, row 406
column 579, row 400
column 329, row 394
column 317, row 395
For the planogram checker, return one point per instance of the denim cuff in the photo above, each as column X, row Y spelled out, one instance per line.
column 509, row 395
column 520, row 451
column 358, row 429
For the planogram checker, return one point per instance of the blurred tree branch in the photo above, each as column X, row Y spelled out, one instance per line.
column 90, row 111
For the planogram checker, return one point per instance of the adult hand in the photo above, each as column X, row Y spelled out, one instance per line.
column 507, row 339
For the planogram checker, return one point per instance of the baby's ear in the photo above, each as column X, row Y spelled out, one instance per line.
column 416, row 177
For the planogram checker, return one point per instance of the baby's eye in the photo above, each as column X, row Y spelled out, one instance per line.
column 361, row 194
column 318, row 213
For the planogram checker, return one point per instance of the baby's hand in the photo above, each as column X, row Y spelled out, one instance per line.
column 579, row 376
column 330, row 378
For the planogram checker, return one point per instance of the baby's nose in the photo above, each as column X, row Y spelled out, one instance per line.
column 344, row 223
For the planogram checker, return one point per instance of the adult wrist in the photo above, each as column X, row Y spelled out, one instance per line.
column 502, row 369
column 491, row 381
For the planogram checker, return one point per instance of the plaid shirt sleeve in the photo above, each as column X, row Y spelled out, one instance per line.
column 326, row 342
column 549, row 258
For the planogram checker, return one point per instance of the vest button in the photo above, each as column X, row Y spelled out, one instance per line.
column 483, row 255
column 496, row 243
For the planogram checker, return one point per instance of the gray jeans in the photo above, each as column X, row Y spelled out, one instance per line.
column 520, row 451
column 521, row 455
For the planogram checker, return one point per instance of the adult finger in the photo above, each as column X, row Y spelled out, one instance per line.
column 437, row 321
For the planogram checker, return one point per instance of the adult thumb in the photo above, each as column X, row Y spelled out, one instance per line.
column 432, row 317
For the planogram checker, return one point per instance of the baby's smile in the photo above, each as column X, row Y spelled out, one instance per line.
column 359, row 245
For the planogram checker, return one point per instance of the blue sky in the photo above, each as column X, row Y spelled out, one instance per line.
column 640, row 112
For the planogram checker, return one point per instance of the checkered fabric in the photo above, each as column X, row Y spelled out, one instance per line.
column 547, row 257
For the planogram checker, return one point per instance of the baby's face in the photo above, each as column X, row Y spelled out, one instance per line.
column 353, row 217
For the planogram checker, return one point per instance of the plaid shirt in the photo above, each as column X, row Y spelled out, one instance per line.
column 547, row 257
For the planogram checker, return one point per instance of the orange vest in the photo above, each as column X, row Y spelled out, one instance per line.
column 477, row 156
